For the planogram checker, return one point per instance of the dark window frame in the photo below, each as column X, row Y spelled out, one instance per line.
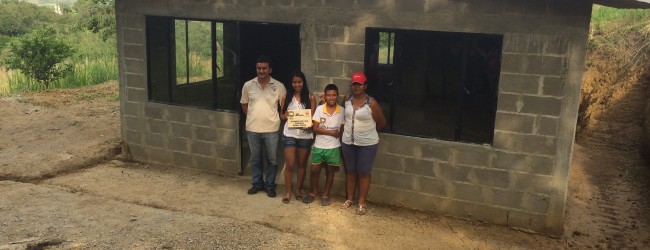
column 165, row 89
column 389, row 85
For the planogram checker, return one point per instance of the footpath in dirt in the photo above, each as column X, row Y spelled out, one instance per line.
column 64, row 185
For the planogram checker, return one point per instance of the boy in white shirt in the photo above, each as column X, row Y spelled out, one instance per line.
column 327, row 124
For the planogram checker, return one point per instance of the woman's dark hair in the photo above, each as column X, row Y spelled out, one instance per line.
column 304, row 93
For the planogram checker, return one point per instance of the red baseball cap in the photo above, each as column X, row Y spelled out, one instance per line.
column 359, row 77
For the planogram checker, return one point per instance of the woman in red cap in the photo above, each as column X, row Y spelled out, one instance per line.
column 363, row 120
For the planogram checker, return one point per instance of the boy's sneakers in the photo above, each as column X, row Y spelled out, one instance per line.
column 254, row 190
column 270, row 193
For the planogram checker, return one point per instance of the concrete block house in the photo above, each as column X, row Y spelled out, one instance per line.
column 481, row 96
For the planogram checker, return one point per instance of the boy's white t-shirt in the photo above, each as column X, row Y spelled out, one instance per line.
column 328, row 122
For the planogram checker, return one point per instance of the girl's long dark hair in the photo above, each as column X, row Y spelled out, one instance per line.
column 304, row 93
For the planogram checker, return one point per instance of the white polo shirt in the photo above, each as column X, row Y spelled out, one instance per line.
column 262, row 116
column 328, row 122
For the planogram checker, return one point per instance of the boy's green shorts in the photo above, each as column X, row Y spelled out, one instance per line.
column 331, row 156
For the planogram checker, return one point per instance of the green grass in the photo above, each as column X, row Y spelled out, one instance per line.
column 84, row 74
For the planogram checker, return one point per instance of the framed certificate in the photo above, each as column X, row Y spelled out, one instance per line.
column 299, row 118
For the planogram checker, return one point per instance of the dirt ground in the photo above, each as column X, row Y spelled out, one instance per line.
column 64, row 185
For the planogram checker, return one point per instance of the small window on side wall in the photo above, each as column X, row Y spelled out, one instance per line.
column 435, row 84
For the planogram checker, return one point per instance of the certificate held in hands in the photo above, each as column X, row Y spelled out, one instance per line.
column 299, row 118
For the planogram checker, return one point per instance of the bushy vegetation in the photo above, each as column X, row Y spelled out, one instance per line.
column 87, row 27
column 617, row 57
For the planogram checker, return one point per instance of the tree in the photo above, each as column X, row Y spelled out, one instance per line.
column 97, row 16
column 40, row 55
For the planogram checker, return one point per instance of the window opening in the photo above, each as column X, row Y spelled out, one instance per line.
column 439, row 84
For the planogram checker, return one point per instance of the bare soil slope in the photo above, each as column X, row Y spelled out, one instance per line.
column 62, row 185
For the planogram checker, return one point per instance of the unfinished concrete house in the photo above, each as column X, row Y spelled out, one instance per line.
column 481, row 97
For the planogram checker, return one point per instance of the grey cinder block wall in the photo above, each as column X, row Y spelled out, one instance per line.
column 520, row 180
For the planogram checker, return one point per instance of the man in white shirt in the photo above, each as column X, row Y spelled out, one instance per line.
column 260, row 101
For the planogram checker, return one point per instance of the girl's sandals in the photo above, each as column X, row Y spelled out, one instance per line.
column 362, row 210
column 347, row 204
column 298, row 195
column 287, row 198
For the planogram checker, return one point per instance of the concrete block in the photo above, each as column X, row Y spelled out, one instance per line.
column 535, row 144
column 556, row 47
column 408, row 199
column 200, row 118
column 134, row 109
column 356, row 34
column 154, row 140
column 329, row 68
column 201, row 148
column 464, row 174
column 545, row 65
column 182, row 159
column 536, row 203
column 324, row 51
column 181, row 130
column 488, row 214
column 519, row 219
column 330, row 33
column 134, row 51
column 226, row 120
column 523, row 43
column 510, row 102
column 177, row 114
column 400, row 181
column 522, row 163
column 467, row 192
column 530, row 183
column 159, row 155
column 205, row 134
column 390, row 162
column 133, row 137
column 514, row 122
column 133, row 36
column 135, row 66
column 226, row 152
column 542, row 105
column 445, row 171
column 348, row 52
column 410, row 6
column 131, row 21
column 351, row 67
column 403, row 147
column 307, row 4
column 154, row 112
column 519, row 84
column 138, row 152
column 207, row 164
column 492, row 177
column 553, row 86
column 338, row 4
column 158, row 126
column 178, row 144
column 135, row 123
column 507, row 198
column 504, row 141
column 227, row 137
column 512, row 63
column 136, row 95
column 432, row 186
column 374, row 5
column 233, row 167
column 547, row 125
column 250, row 3
column 473, row 157
column 135, row 80
column 419, row 167
column 435, row 152
column 279, row 3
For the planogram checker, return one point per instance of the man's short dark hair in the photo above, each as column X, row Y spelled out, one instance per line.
column 264, row 59
column 331, row 86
